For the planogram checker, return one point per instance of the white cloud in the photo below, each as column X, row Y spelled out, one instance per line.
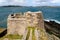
column 18, row 1
column 55, row 1
column 12, row 2
column 2, row 1
column 46, row 2
column 49, row 1
column 29, row 2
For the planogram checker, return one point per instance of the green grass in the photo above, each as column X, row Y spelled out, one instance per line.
column 15, row 36
column 11, row 37
column 33, row 33
column 28, row 34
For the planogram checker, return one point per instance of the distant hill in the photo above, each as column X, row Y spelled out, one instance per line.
column 12, row 6
column 27, row 6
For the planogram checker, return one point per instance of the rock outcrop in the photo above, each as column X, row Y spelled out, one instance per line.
column 52, row 28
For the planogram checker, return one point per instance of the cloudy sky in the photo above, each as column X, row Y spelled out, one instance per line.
column 30, row 2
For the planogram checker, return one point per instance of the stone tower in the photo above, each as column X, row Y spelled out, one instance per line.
column 35, row 19
column 17, row 23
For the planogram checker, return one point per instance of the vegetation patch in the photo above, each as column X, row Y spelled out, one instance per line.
column 12, row 37
column 28, row 34
column 15, row 36
column 33, row 33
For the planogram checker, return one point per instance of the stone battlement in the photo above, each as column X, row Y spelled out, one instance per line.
column 17, row 23
column 20, row 15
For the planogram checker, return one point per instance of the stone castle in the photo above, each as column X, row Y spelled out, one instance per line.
column 27, row 26
column 17, row 23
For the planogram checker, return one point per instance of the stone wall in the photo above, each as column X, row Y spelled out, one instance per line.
column 17, row 23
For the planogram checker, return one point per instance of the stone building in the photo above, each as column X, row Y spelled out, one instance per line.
column 17, row 23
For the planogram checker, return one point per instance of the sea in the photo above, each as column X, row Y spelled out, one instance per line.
column 49, row 13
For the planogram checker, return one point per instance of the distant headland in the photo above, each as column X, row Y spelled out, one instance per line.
column 11, row 6
column 26, row 6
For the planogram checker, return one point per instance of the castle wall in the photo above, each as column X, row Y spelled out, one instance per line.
column 18, row 23
column 35, row 19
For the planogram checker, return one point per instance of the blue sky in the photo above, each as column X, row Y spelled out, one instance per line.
column 30, row 2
